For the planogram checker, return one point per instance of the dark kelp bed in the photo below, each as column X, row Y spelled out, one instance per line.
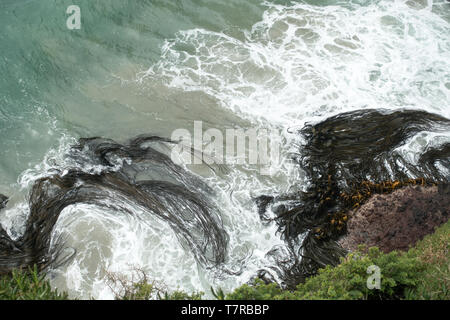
column 347, row 158
column 179, row 201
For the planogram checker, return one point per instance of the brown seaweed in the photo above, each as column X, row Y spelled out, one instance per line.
column 182, row 202
column 347, row 158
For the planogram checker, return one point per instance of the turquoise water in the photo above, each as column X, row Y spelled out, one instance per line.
column 154, row 66
column 47, row 69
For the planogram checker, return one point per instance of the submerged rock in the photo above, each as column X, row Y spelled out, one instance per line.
column 398, row 220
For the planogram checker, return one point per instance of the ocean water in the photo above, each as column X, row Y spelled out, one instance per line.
column 156, row 66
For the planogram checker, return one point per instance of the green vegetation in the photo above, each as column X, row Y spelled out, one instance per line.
column 27, row 285
column 421, row 273
column 434, row 252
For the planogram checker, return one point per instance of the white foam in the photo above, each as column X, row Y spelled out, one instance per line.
column 56, row 159
column 303, row 61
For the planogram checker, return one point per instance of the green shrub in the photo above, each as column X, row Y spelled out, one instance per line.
column 258, row 290
column 27, row 285
column 399, row 272
column 434, row 252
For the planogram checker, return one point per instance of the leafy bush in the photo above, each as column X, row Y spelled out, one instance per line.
column 27, row 285
column 434, row 252
column 258, row 290
column 399, row 271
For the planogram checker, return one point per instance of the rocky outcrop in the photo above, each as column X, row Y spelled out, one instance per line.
column 398, row 220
